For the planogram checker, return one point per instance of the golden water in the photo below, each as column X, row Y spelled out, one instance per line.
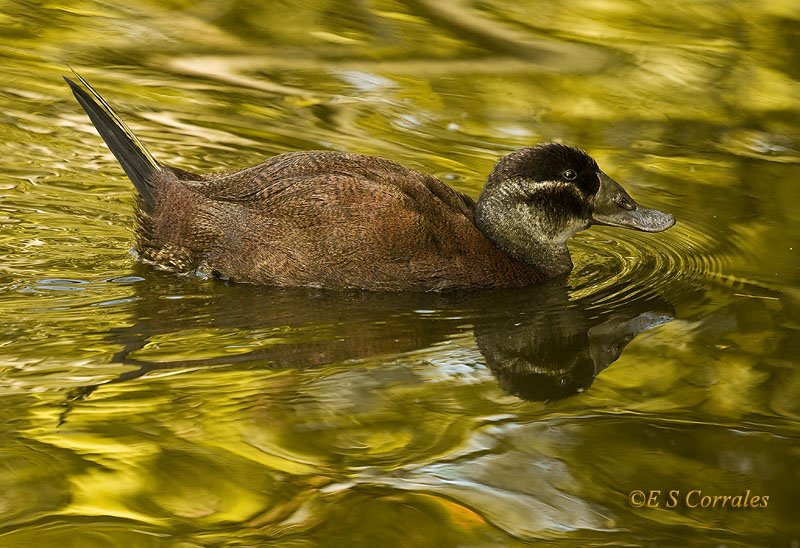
column 145, row 409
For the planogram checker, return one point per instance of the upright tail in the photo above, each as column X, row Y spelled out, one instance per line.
column 138, row 163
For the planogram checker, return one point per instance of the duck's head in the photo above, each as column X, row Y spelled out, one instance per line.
column 537, row 197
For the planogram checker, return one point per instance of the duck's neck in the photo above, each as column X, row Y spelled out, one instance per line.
column 528, row 244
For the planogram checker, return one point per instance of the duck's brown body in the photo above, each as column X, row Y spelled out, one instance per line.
column 324, row 219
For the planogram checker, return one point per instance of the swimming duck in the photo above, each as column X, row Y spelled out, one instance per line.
column 341, row 220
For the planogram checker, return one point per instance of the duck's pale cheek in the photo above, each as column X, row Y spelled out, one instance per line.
column 558, row 233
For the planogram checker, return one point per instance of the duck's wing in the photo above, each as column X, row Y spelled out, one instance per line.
column 321, row 173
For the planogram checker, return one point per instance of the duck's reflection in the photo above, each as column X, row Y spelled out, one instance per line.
column 539, row 344
column 558, row 354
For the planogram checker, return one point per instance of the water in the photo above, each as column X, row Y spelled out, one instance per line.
column 146, row 409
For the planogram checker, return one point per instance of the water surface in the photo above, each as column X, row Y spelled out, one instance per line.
column 146, row 409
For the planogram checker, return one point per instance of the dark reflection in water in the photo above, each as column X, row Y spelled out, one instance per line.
column 537, row 343
column 557, row 352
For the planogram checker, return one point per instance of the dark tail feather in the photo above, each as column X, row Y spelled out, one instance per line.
column 138, row 163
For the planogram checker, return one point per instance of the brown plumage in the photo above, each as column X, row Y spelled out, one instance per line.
column 324, row 219
column 341, row 220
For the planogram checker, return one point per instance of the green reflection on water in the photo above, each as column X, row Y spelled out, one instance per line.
column 142, row 409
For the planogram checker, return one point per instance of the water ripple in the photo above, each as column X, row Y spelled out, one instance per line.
column 637, row 265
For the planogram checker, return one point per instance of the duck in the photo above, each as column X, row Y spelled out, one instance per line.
column 340, row 220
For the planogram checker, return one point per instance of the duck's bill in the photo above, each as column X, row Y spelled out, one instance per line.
column 646, row 220
column 614, row 207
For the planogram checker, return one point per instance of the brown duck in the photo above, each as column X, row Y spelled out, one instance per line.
column 338, row 220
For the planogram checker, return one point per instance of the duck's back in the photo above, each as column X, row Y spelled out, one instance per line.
column 324, row 219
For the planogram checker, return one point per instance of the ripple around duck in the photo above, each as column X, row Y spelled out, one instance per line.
column 640, row 265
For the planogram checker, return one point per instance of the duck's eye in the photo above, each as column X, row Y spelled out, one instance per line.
column 570, row 175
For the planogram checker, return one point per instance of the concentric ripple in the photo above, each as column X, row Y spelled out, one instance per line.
column 614, row 263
